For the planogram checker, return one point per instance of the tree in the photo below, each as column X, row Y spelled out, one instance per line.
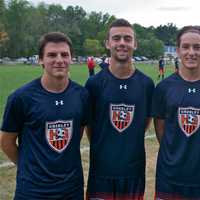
column 17, row 16
column 92, row 47
column 151, row 48
column 167, row 33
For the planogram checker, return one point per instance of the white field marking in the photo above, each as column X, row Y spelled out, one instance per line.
column 83, row 149
column 150, row 136
column 7, row 164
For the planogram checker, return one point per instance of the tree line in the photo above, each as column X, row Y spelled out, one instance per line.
column 22, row 24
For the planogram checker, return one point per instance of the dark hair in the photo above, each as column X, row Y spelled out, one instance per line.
column 186, row 29
column 55, row 37
column 118, row 23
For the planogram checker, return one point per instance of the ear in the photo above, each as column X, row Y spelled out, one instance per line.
column 178, row 51
column 135, row 44
column 40, row 61
column 107, row 44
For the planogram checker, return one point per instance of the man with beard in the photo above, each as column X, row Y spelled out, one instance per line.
column 121, row 100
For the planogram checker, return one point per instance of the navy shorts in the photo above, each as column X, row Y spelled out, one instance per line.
column 169, row 191
column 77, row 194
column 115, row 189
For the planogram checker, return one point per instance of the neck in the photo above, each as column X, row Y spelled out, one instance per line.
column 189, row 74
column 121, row 70
column 54, row 85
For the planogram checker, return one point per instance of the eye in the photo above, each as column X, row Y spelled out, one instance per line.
column 185, row 46
column 65, row 54
column 197, row 47
column 116, row 38
column 52, row 55
column 128, row 38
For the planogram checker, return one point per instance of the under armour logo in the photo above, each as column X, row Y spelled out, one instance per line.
column 123, row 87
column 193, row 90
column 61, row 102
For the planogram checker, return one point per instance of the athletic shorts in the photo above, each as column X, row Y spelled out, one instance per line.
column 169, row 191
column 77, row 194
column 115, row 189
column 161, row 70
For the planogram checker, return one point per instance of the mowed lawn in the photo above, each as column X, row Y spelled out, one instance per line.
column 14, row 76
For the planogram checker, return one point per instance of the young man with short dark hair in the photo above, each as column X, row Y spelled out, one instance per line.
column 47, row 116
column 121, row 99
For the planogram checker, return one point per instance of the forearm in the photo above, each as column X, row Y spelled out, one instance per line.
column 148, row 123
column 88, row 132
column 9, row 146
column 12, row 153
column 159, row 125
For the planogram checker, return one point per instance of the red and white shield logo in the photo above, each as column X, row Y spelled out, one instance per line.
column 59, row 134
column 121, row 116
column 189, row 120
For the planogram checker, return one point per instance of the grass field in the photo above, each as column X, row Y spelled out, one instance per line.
column 13, row 76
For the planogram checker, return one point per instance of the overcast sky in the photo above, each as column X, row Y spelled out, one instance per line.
column 144, row 12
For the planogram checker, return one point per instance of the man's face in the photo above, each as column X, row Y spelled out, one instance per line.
column 56, row 59
column 189, row 50
column 121, row 43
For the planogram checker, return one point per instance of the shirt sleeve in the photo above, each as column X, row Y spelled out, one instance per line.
column 13, row 115
column 86, row 116
column 149, row 92
column 90, row 86
column 159, row 102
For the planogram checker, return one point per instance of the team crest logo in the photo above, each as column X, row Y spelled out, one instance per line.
column 121, row 116
column 59, row 134
column 189, row 120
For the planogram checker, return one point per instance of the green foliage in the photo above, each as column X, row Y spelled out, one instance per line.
column 24, row 24
column 148, row 44
column 167, row 33
column 92, row 47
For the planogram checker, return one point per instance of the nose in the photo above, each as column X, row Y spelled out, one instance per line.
column 59, row 58
column 122, row 40
column 191, row 51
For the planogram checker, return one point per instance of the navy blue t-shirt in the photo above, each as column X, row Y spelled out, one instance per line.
column 178, row 103
column 49, row 163
column 120, row 108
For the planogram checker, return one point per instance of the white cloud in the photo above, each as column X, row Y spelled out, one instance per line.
column 144, row 12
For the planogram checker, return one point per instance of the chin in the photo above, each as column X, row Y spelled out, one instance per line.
column 61, row 75
column 191, row 67
column 122, row 59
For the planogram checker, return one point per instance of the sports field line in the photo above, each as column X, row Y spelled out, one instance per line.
column 83, row 149
column 6, row 164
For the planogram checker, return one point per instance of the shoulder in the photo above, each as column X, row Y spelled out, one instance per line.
column 79, row 88
column 167, row 83
column 144, row 78
column 97, row 79
column 25, row 90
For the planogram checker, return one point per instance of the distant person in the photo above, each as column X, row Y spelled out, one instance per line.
column 121, row 102
column 176, row 110
column 91, row 65
column 105, row 63
column 176, row 64
column 161, row 65
column 42, row 127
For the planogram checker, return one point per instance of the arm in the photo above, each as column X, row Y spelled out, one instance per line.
column 88, row 132
column 82, row 130
column 9, row 146
column 159, row 125
column 148, row 123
